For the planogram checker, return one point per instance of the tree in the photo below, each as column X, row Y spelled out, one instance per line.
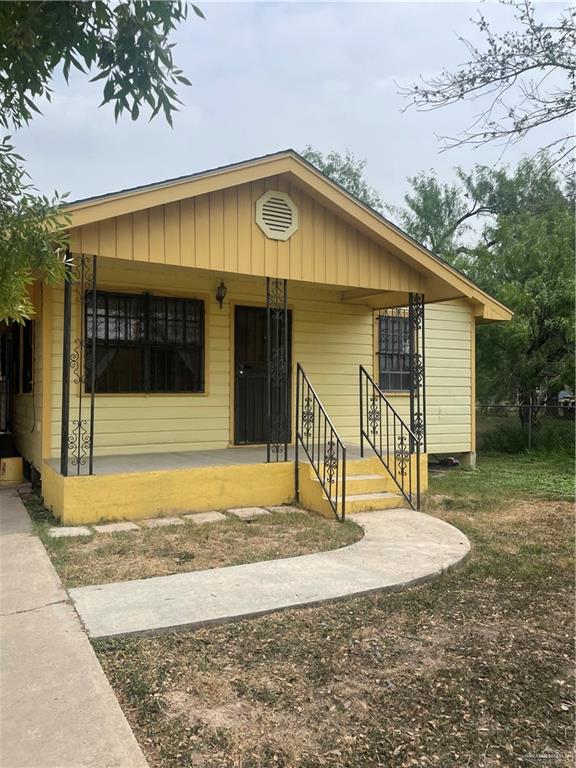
column 126, row 45
column 347, row 171
column 513, row 233
column 527, row 76
column 530, row 268
column 435, row 215
column 442, row 216
column 32, row 237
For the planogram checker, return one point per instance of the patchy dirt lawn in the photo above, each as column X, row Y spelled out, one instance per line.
column 106, row 557
column 472, row 670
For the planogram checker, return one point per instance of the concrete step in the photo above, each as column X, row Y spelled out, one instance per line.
column 370, row 483
column 367, row 483
column 363, row 502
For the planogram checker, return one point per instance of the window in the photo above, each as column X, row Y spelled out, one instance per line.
column 145, row 343
column 394, row 352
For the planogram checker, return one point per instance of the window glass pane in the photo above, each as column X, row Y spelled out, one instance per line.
column 118, row 369
column 146, row 343
column 176, row 369
column 394, row 351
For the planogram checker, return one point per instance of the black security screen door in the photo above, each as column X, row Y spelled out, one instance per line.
column 251, row 374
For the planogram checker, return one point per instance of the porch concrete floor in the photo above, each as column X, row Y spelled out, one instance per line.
column 150, row 462
column 400, row 548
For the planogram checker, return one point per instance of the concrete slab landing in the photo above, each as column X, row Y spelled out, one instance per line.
column 248, row 513
column 205, row 517
column 400, row 548
column 161, row 522
column 69, row 531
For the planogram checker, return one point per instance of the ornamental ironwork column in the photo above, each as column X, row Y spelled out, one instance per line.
column 66, row 336
column 417, row 368
column 277, row 369
column 78, row 362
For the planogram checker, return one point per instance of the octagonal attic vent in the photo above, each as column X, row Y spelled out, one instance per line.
column 276, row 215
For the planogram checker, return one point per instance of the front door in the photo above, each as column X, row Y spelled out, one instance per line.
column 250, row 365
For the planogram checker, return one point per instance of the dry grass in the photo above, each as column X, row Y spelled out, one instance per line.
column 472, row 670
column 103, row 558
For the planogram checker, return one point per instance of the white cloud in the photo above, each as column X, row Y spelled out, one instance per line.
column 267, row 76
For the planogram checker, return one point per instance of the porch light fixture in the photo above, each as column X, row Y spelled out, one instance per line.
column 221, row 292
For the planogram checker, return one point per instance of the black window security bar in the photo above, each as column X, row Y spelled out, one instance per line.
column 394, row 350
column 277, row 370
column 145, row 343
column 390, row 438
column 323, row 447
column 6, row 377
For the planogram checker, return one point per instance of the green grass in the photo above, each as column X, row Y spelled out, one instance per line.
column 536, row 474
column 474, row 669
column 102, row 558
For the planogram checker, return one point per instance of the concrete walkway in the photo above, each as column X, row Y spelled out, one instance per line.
column 400, row 548
column 57, row 708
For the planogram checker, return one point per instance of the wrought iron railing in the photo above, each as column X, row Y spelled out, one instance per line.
column 326, row 452
column 390, row 438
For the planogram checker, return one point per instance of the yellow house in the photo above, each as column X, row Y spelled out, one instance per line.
column 244, row 336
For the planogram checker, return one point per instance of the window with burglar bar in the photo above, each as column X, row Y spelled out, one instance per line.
column 394, row 351
column 145, row 343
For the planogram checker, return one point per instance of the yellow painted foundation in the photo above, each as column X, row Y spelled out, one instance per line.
column 11, row 470
column 136, row 495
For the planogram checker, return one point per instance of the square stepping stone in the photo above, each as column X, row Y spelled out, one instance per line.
column 248, row 513
column 287, row 510
column 205, row 517
column 116, row 527
column 69, row 531
column 160, row 522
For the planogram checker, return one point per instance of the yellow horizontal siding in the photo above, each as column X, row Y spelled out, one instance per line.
column 218, row 231
column 449, row 328
column 330, row 339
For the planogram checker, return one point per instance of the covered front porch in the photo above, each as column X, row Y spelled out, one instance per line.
column 155, row 484
column 280, row 365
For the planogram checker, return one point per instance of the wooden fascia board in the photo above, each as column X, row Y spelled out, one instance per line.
column 171, row 192
column 329, row 193
column 402, row 246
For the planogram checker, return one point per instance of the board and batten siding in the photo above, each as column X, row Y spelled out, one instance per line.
column 218, row 231
column 330, row 339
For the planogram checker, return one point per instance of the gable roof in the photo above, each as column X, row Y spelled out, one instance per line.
column 99, row 207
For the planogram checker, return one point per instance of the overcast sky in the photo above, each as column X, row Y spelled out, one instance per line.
column 268, row 76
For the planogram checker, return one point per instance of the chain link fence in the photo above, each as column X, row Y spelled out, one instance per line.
column 512, row 429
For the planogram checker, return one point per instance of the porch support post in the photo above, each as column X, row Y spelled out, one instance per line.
column 92, row 358
column 66, row 340
column 417, row 368
column 277, row 390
